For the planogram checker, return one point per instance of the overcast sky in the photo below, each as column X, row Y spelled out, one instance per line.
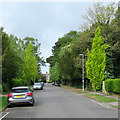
column 46, row 21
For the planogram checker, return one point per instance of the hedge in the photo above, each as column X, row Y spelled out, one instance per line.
column 18, row 82
column 5, row 87
column 112, row 85
column 1, row 89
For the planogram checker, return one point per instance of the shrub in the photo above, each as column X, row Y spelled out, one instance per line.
column 89, row 86
column 109, row 85
column 50, row 82
column 112, row 85
column 99, row 88
column 5, row 87
column 1, row 89
column 116, row 86
column 18, row 82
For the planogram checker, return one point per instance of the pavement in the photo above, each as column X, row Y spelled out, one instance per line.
column 112, row 104
column 57, row 102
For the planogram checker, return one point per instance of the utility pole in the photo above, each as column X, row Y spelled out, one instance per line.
column 82, row 71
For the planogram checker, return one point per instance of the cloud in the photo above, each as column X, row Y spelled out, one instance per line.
column 45, row 21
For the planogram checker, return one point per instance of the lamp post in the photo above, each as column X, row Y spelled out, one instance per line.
column 82, row 71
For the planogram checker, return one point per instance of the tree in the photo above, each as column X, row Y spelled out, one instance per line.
column 10, row 58
column 107, row 18
column 55, row 73
column 95, row 65
column 99, row 15
column 30, row 65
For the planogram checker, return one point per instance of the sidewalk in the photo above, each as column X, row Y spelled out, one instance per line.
column 100, row 93
column 110, row 104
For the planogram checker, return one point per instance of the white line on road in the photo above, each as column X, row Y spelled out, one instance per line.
column 4, row 115
column 100, row 104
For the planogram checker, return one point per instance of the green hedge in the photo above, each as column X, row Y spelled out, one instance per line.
column 5, row 87
column 112, row 85
column 116, row 86
column 1, row 89
column 18, row 82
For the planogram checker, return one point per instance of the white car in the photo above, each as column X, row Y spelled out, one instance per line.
column 42, row 83
column 38, row 86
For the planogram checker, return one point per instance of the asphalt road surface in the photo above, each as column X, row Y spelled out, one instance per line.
column 57, row 102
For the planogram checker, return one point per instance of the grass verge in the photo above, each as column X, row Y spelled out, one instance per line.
column 3, row 102
column 77, row 90
column 118, row 107
column 66, row 87
column 101, row 98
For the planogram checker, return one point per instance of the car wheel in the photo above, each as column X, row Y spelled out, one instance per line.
column 10, row 105
column 32, row 103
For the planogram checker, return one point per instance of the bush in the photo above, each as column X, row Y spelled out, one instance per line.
column 1, row 89
column 5, row 87
column 109, row 85
column 18, row 82
column 112, row 85
column 116, row 86
column 89, row 86
column 50, row 82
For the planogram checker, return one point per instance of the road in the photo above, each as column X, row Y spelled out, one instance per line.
column 57, row 102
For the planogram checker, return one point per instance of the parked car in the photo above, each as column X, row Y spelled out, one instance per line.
column 38, row 86
column 42, row 83
column 20, row 95
column 57, row 84
column 53, row 83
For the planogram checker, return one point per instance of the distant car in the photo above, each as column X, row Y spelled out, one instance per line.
column 57, row 84
column 20, row 95
column 53, row 83
column 38, row 86
column 42, row 83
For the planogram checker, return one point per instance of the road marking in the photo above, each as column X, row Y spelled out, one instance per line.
column 4, row 115
column 100, row 104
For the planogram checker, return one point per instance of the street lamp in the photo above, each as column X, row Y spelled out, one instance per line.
column 82, row 71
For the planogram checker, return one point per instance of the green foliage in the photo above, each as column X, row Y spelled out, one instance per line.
column 108, row 85
column 18, row 82
column 112, row 85
column 101, row 98
column 5, row 87
column 116, row 86
column 3, row 102
column 67, row 39
column 67, row 49
column 95, row 64
column 30, row 68
column 1, row 89
column 18, row 58
column 55, row 73
column 89, row 86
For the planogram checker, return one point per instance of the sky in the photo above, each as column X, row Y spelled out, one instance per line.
column 45, row 21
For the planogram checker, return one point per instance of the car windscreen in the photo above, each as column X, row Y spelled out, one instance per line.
column 19, row 90
column 37, row 84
